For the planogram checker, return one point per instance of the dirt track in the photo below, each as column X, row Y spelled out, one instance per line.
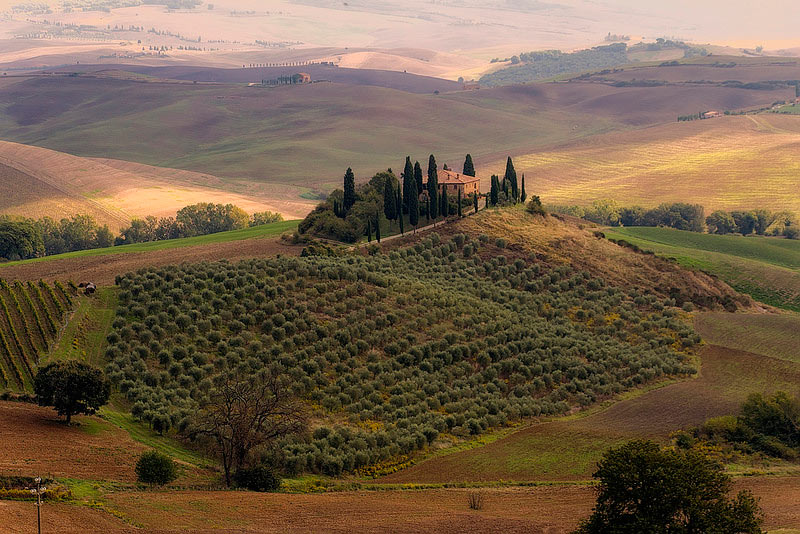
column 103, row 269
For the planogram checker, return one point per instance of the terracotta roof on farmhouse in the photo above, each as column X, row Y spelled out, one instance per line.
column 450, row 177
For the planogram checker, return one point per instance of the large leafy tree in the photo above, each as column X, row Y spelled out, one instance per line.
column 433, row 187
column 71, row 387
column 20, row 240
column 349, row 189
column 469, row 168
column 244, row 412
column 720, row 222
column 644, row 488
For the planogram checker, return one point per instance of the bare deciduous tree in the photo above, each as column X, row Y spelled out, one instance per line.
column 244, row 412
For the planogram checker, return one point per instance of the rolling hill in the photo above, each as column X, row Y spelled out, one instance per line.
column 744, row 162
column 767, row 269
column 258, row 141
column 35, row 182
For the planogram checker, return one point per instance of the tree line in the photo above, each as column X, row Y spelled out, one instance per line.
column 683, row 216
column 23, row 238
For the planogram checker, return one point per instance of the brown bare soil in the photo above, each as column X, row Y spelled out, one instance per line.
column 20, row 518
column 35, row 441
column 102, row 269
column 528, row 510
column 538, row 510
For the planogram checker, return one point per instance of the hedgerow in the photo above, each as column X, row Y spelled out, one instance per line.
column 441, row 338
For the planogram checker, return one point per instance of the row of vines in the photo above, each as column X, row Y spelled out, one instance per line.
column 439, row 341
column 31, row 317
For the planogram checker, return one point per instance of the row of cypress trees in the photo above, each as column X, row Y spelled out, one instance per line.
column 404, row 199
column 510, row 187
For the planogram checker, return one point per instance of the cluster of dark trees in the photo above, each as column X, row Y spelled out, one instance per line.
column 194, row 220
column 353, row 211
column 676, row 215
column 22, row 238
column 760, row 222
column 769, row 425
column 690, row 217
column 509, row 191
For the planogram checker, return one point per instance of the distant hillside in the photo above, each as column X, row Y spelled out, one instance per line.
column 304, row 137
column 401, row 81
column 725, row 163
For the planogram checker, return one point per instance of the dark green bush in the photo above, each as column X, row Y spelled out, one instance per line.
column 258, row 478
column 156, row 469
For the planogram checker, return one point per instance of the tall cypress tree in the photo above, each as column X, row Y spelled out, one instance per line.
column 349, row 189
column 445, row 203
column 495, row 191
column 427, row 209
column 475, row 201
column 459, row 203
column 378, row 226
column 433, row 187
column 469, row 168
column 522, row 194
column 511, row 179
column 369, row 230
column 399, row 204
column 408, row 177
column 413, row 205
column 389, row 204
column 418, row 176
column 486, row 202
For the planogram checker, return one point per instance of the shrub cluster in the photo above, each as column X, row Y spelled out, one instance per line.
column 438, row 338
column 768, row 425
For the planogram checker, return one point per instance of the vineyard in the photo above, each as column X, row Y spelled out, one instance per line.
column 432, row 343
column 31, row 318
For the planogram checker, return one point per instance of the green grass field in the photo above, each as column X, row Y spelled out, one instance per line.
column 267, row 230
column 84, row 336
column 771, row 335
column 767, row 269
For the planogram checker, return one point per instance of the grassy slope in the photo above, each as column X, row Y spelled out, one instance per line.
column 771, row 335
column 767, row 269
column 268, row 230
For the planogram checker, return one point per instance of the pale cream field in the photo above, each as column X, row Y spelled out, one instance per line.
column 445, row 39
column 743, row 162
column 41, row 181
